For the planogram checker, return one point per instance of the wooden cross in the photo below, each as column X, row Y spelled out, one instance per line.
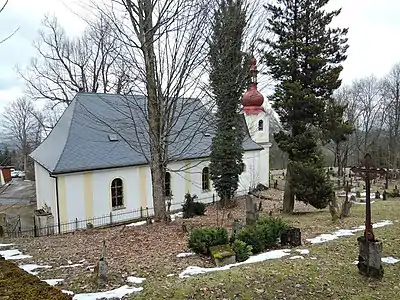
column 368, row 172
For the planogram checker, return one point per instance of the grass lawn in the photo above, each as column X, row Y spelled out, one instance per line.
column 331, row 276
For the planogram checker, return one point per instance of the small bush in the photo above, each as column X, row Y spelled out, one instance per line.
column 242, row 250
column 191, row 208
column 202, row 239
column 263, row 234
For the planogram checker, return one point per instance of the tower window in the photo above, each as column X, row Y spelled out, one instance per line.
column 260, row 125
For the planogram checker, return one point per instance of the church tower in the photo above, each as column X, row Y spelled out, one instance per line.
column 257, row 114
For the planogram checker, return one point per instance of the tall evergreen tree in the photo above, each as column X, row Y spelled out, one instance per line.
column 304, row 56
column 228, row 80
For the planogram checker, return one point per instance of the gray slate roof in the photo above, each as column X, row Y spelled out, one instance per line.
column 81, row 141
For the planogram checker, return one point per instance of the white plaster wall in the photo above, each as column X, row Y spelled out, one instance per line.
column 45, row 190
column 180, row 171
column 74, row 193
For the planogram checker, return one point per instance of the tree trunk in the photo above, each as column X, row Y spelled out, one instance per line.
column 154, row 106
column 288, row 196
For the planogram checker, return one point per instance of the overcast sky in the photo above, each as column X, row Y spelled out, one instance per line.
column 374, row 27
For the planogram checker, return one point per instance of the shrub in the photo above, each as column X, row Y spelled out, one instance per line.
column 263, row 234
column 202, row 239
column 191, row 208
column 242, row 250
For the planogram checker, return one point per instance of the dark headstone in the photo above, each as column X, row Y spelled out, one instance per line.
column 291, row 236
column 358, row 194
column 396, row 192
column 276, row 184
column 369, row 258
column 251, row 211
column 384, row 195
column 377, row 195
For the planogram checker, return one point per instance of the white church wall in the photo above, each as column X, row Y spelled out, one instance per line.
column 45, row 189
column 87, row 196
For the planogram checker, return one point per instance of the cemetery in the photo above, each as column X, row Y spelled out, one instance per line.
column 250, row 249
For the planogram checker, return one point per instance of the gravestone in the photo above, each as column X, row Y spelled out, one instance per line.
column 251, row 211
column 223, row 255
column 384, row 195
column 377, row 195
column 396, row 192
column 358, row 194
column 276, row 184
column 370, row 249
column 237, row 227
column 291, row 236
column 101, row 268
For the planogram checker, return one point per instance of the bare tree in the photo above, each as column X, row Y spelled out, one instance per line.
column 10, row 35
column 22, row 128
column 65, row 66
column 391, row 94
column 165, row 46
column 367, row 94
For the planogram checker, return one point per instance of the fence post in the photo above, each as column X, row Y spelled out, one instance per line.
column 76, row 224
column 111, row 217
column 213, row 198
column 34, row 227
column 147, row 212
column 141, row 212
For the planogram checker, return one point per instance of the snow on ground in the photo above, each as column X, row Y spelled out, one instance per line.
column 5, row 245
column 344, row 232
column 133, row 279
column 296, row 257
column 136, row 224
column 31, row 267
column 13, row 254
column 274, row 254
column 388, row 260
column 303, row 251
column 53, row 282
column 185, row 254
column 362, row 203
column 70, row 266
column 117, row 293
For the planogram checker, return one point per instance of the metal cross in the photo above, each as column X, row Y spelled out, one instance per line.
column 368, row 172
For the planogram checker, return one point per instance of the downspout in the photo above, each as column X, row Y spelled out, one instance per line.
column 57, row 204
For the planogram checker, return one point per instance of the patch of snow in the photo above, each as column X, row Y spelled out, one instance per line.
column 82, row 260
column 71, row 266
column 362, row 203
column 6, row 245
column 344, row 232
column 53, row 282
column 177, row 215
column 355, row 262
column 303, row 251
column 67, row 292
column 390, row 260
column 170, row 275
column 133, row 279
column 13, row 254
column 186, row 254
column 69, row 262
column 117, row 293
column 136, row 224
column 274, row 254
column 313, row 258
column 296, row 257
column 31, row 267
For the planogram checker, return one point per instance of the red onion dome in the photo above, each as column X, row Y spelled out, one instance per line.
column 252, row 97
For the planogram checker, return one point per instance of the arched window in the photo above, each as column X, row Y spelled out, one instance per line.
column 168, row 191
column 205, row 179
column 260, row 125
column 117, row 193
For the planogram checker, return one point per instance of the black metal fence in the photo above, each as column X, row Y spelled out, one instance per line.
column 114, row 218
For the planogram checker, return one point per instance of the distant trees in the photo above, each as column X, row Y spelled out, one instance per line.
column 21, row 127
column 229, row 71
column 304, row 56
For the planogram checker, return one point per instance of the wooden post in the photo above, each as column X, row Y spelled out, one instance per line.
column 111, row 220
column 250, row 211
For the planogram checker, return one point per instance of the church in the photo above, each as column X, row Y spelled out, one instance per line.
column 94, row 163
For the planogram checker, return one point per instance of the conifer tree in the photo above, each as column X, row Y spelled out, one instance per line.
column 228, row 80
column 304, row 56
